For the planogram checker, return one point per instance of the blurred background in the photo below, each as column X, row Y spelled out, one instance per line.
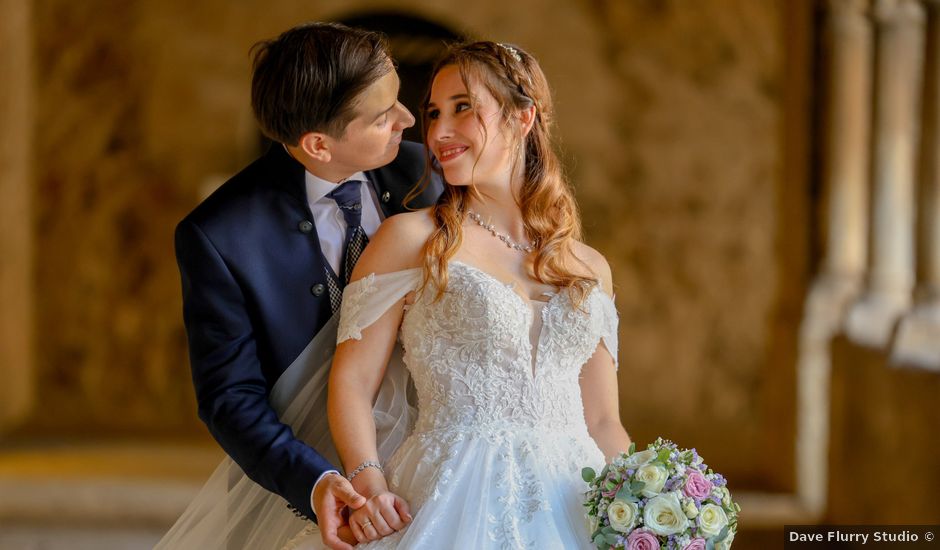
column 762, row 175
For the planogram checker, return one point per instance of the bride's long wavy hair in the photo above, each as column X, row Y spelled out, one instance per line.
column 549, row 212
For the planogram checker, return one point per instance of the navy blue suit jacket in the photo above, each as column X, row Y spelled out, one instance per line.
column 254, row 296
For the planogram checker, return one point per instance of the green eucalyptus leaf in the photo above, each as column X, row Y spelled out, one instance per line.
column 588, row 475
column 611, row 539
column 722, row 535
column 637, row 486
column 632, row 448
column 624, row 494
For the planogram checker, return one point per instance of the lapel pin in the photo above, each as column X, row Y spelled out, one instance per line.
column 386, row 196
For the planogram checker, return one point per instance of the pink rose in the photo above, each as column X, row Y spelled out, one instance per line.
column 696, row 486
column 695, row 544
column 641, row 539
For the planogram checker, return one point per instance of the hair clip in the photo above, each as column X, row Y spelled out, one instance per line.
column 512, row 51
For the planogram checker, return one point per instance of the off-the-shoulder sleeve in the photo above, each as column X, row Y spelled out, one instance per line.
column 367, row 299
column 609, row 324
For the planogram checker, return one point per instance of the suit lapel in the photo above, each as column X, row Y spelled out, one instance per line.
column 387, row 201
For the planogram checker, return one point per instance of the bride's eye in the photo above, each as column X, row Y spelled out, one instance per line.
column 462, row 106
column 434, row 114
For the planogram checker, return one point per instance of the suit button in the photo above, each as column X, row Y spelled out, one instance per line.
column 317, row 289
column 305, row 226
column 386, row 196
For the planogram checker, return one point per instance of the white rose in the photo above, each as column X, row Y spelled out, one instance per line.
column 688, row 506
column 725, row 544
column 711, row 520
column 663, row 515
column 636, row 460
column 622, row 515
column 654, row 476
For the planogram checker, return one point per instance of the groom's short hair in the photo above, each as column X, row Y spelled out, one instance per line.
column 308, row 78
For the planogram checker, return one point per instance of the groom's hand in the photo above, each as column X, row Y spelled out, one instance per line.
column 331, row 496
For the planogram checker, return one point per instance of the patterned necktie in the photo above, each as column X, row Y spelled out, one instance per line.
column 348, row 197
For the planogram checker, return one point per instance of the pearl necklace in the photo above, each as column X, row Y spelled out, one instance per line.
column 492, row 229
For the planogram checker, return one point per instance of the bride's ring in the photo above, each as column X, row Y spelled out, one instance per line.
column 366, row 523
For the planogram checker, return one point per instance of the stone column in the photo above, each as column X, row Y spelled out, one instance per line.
column 898, row 64
column 847, row 38
column 15, row 220
column 919, row 332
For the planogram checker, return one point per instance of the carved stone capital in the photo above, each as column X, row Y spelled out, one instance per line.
column 898, row 12
column 916, row 342
column 872, row 319
column 847, row 7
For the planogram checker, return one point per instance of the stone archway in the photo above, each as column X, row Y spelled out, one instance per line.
column 572, row 56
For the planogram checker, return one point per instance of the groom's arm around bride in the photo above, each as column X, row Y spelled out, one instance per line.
column 262, row 258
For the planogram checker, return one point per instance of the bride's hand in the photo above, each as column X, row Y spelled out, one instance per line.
column 383, row 514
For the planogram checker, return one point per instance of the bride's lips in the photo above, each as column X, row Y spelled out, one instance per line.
column 450, row 152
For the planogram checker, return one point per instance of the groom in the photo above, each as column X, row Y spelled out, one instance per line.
column 264, row 259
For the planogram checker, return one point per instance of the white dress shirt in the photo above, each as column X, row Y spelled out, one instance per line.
column 329, row 221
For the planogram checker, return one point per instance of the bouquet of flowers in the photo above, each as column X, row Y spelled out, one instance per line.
column 663, row 497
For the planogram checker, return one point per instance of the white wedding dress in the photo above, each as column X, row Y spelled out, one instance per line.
column 495, row 456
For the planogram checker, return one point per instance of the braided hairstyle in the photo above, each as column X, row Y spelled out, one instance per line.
column 549, row 212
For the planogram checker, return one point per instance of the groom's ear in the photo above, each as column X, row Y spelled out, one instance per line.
column 316, row 145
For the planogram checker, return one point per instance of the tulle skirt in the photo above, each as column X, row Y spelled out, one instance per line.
column 493, row 488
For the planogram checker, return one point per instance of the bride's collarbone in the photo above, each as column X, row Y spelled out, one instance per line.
column 511, row 272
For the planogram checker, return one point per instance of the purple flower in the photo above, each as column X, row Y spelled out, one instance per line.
column 695, row 544
column 641, row 539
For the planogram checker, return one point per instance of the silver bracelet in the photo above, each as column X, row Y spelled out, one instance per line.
column 363, row 466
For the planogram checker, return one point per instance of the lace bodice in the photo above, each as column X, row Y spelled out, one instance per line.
column 470, row 354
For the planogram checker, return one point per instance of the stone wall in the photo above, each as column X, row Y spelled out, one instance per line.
column 692, row 219
column 670, row 116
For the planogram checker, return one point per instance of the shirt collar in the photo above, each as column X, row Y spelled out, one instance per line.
column 317, row 187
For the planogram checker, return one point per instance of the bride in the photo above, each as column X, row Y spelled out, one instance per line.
column 508, row 329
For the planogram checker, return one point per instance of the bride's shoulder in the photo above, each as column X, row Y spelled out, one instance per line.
column 596, row 264
column 397, row 245
column 415, row 223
